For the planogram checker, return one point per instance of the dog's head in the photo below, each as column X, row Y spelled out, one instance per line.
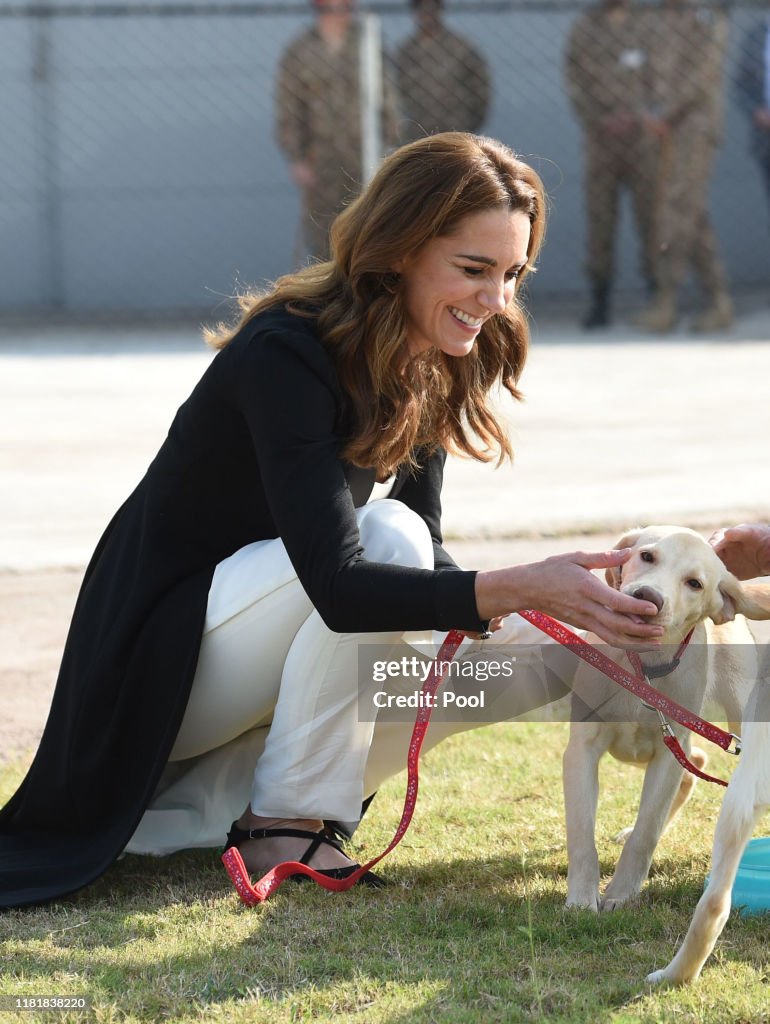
column 679, row 572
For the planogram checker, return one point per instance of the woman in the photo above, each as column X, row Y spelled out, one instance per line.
column 231, row 589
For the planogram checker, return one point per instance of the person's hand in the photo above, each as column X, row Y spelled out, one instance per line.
column 568, row 590
column 564, row 587
column 745, row 549
column 303, row 174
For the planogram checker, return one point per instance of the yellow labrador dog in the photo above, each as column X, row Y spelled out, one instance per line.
column 679, row 572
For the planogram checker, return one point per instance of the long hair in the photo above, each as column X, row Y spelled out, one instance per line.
column 420, row 192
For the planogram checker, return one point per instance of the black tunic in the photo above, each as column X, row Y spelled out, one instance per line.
column 251, row 455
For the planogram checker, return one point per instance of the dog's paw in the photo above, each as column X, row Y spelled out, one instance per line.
column 660, row 978
column 624, row 833
column 656, row 978
column 614, row 902
column 585, row 901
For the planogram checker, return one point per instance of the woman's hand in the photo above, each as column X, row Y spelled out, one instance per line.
column 565, row 587
column 744, row 549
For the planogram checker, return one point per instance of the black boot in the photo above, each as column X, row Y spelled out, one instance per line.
column 598, row 314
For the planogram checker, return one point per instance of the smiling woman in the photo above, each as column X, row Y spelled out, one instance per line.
column 221, row 619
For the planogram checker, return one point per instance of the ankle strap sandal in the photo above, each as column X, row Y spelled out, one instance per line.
column 238, row 835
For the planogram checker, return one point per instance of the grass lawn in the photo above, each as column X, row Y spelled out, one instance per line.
column 471, row 929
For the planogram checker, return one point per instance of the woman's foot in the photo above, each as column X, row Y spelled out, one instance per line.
column 260, row 855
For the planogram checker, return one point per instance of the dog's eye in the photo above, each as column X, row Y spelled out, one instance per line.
column 647, row 556
column 695, row 584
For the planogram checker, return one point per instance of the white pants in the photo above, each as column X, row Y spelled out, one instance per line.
column 275, row 686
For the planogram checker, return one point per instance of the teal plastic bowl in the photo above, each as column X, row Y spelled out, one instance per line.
column 751, row 891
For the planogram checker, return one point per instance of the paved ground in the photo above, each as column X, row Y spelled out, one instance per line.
column 617, row 430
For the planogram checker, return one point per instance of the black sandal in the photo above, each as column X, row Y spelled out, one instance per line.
column 238, row 835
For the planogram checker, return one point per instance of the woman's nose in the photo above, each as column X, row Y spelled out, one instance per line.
column 494, row 296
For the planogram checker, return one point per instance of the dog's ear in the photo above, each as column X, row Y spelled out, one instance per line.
column 613, row 574
column 735, row 598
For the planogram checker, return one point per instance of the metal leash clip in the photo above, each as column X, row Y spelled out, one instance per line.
column 738, row 745
column 664, row 725
column 668, row 731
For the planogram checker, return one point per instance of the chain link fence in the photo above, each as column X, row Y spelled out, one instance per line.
column 159, row 157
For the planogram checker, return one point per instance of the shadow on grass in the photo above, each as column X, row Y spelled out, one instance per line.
column 475, row 939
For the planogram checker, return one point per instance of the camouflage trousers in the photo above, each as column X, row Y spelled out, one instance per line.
column 685, row 239
column 613, row 165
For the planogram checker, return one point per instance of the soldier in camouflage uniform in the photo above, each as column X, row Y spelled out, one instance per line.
column 319, row 118
column 607, row 80
column 687, row 96
column 443, row 82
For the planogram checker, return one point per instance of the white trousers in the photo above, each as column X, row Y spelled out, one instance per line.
column 274, row 685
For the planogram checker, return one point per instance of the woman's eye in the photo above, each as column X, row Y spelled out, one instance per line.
column 473, row 271
column 695, row 584
column 647, row 556
column 512, row 275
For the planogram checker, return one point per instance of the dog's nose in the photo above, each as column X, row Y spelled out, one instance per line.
column 648, row 594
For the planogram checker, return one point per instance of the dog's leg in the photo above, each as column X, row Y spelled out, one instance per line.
column 747, row 797
column 734, row 828
column 686, row 787
column 580, row 777
column 661, row 781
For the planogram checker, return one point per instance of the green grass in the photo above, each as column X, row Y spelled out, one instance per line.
column 471, row 929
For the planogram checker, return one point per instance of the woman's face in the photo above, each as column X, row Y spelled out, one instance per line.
column 456, row 282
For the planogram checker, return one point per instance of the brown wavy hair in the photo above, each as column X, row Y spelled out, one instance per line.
column 398, row 403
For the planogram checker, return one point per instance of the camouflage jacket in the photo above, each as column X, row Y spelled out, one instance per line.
column 443, row 84
column 318, row 111
column 688, row 48
column 606, row 64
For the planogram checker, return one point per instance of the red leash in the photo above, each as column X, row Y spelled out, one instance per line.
column 639, row 686
column 267, row 885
